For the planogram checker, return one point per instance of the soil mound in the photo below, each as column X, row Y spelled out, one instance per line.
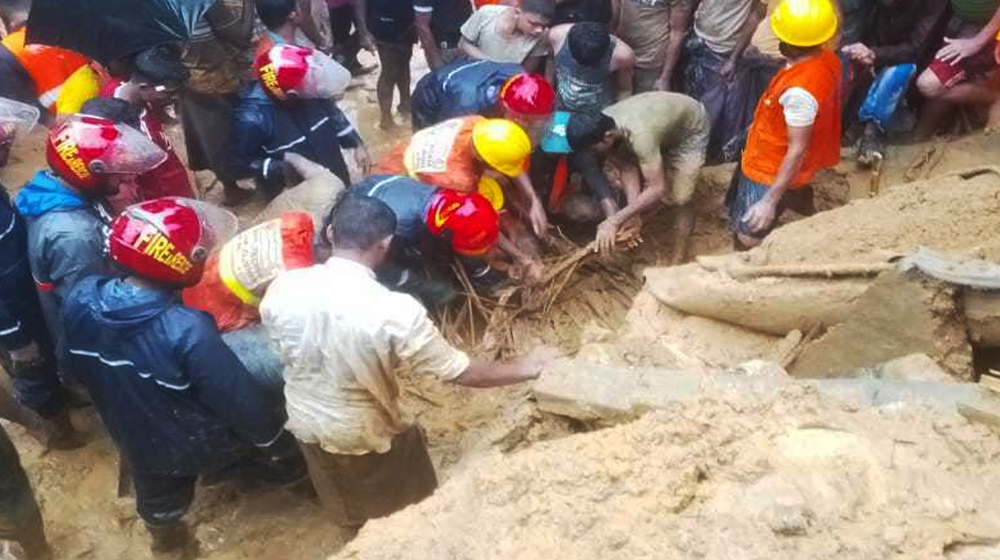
column 786, row 477
column 950, row 214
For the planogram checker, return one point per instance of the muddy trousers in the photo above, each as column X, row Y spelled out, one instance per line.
column 20, row 519
column 356, row 488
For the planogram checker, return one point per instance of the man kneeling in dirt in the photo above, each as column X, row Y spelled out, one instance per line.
column 635, row 136
column 344, row 340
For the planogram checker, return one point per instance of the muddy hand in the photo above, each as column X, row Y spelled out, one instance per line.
column 539, row 221
column 364, row 160
column 607, row 233
column 541, row 359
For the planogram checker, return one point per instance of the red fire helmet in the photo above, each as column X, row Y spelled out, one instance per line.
column 290, row 72
column 469, row 220
column 169, row 239
column 528, row 94
column 83, row 149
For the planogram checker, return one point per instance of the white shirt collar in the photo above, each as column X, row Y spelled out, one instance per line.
column 342, row 264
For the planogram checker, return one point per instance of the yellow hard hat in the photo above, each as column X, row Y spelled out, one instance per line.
column 804, row 23
column 492, row 191
column 502, row 144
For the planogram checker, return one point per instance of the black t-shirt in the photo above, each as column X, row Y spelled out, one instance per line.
column 578, row 11
column 390, row 21
column 447, row 17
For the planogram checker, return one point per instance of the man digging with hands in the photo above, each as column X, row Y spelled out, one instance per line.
column 344, row 340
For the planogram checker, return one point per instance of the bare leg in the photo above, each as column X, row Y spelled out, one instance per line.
column 384, row 88
column 684, row 218
column 403, row 82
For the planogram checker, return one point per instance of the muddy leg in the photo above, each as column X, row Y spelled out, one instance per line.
column 684, row 217
column 403, row 80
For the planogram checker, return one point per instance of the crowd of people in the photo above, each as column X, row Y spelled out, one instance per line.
column 277, row 350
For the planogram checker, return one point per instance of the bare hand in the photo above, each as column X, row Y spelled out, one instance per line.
column 728, row 70
column 541, row 358
column 760, row 215
column 859, row 53
column 661, row 84
column 607, row 234
column 532, row 272
column 956, row 50
column 539, row 221
column 364, row 160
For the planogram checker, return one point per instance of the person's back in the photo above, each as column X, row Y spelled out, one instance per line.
column 465, row 87
column 660, row 119
column 264, row 130
column 160, row 376
column 583, row 68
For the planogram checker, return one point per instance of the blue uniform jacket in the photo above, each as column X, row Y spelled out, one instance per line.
column 462, row 88
column 264, row 130
column 174, row 397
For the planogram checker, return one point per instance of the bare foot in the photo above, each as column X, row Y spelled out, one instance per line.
column 388, row 125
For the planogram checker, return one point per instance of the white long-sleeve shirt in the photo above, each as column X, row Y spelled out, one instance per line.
column 343, row 338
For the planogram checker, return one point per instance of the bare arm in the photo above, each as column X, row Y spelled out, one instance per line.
column 959, row 49
column 481, row 373
column 535, row 64
column 539, row 221
column 422, row 23
column 761, row 215
column 361, row 21
column 471, row 50
column 641, row 200
column 679, row 22
column 624, row 67
column 316, row 26
column 743, row 40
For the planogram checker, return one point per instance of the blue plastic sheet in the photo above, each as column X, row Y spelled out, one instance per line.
column 885, row 94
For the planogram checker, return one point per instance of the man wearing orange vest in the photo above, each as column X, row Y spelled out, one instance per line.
column 796, row 128
column 56, row 80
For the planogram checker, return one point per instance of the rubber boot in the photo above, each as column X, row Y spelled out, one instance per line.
column 174, row 542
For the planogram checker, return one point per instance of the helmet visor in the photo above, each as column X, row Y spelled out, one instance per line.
column 132, row 153
column 325, row 78
column 16, row 119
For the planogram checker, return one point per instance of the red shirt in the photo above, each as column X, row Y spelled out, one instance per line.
column 170, row 178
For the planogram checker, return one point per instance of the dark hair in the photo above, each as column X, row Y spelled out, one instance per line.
column 586, row 129
column 588, row 42
column 790, row 51
column 274, row 13
column 115, row 110
column 544, row 8
column 161, row 65
column 358, row 221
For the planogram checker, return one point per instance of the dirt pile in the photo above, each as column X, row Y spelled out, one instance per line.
column 790, row 477
column 950, row 214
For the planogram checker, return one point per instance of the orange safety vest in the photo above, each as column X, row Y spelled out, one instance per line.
column 50, row 68
column 441, row 156
column 767, row 142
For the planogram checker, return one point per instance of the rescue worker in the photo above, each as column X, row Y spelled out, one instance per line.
column 486, row 88
column 290, row 109
column 432, row 224
column 642, row 136
column 152, row 90
column 457, row 153
column 593, row 69
column 27, row 351
column 344, row 340
column 89, row 158
column 177, row 402
column 796, row 128
column 56, row 80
